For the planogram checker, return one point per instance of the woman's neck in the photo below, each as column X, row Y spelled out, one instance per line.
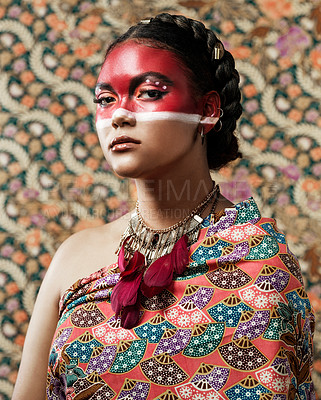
column 164, row 202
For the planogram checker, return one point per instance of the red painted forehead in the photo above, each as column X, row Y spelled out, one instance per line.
column 123, row 70
column 130, row 59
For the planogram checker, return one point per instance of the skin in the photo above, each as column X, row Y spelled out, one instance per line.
column 170, row 153
column 168, row 163
column 126, row 68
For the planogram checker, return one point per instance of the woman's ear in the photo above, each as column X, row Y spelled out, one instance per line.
column 211, row 110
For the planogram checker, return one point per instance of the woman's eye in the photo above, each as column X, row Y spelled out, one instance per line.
column 151, row 94
column 104, row 101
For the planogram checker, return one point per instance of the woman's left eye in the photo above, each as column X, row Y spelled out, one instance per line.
column 151, row 94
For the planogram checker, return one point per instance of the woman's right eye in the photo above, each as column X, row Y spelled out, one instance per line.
column 104, row 101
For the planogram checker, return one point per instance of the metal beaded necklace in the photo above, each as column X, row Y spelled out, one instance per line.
column 155, row 243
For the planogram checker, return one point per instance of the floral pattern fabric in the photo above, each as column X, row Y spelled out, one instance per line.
column 236, row 324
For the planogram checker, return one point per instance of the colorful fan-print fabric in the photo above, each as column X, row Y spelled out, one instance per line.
column 236, row 325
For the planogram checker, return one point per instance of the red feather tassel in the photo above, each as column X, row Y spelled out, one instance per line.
column 125, row 296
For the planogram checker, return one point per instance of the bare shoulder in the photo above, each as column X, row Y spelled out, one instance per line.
column 87, row 251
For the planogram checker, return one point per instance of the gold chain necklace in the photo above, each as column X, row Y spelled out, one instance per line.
column 154, row 243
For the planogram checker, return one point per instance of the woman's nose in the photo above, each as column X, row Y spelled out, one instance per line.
column 123, row 117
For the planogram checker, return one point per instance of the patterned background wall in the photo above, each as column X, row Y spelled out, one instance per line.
column 54, row 180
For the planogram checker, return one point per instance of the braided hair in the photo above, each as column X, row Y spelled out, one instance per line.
column 194, row 45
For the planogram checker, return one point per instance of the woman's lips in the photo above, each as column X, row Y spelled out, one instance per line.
column 123, row 143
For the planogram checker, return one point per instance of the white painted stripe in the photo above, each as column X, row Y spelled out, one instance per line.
column 150, row 116
column 172, row 116
column 103, row 123
column 156, row 116
column 209, row 120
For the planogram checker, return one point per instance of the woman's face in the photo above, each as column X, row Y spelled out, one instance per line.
column 147, row 116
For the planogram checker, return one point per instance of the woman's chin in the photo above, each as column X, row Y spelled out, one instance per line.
column 136, row 172
column 126, row 171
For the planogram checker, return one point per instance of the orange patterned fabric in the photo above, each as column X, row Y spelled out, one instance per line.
column 237, row 324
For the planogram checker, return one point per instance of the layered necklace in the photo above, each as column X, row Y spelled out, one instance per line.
column 148, row 258
column 154, row 243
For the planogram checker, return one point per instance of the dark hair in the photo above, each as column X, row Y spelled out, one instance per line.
column 195, row 46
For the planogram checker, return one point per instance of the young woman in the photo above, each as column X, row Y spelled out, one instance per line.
column 203, row 299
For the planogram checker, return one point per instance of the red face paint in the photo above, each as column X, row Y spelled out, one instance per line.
column 139, row 78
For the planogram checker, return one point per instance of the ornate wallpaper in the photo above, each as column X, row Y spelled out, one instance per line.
column 54, row 179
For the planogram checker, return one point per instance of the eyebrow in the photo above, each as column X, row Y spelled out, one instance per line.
column 137, row 80
column 104, row 86
column 146, row 75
